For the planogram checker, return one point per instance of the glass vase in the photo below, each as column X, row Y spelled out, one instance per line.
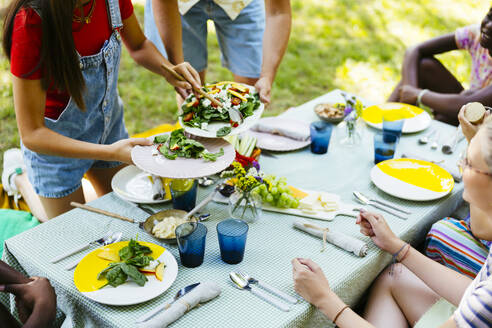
column 245, row 206
column 352, row 135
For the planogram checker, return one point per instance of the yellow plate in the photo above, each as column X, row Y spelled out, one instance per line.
column 85, row 277
column 412, row 179
column 416, row 119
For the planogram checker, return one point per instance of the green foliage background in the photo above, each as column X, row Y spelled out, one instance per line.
column 354, row 45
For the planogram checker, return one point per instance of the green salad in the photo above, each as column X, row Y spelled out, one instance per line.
column 132, row 258
column 176, row 145
column 199, row 112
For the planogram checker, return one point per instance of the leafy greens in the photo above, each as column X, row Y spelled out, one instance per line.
column 178, row 145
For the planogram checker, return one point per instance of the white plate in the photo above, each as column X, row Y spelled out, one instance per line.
column 411, row 125
column 275, row 142
column 212, row 128
column 401, row 189
column 184, row 168
column 130, row 293
column 133, row 185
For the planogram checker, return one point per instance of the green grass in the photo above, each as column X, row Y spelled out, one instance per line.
column 349, row 44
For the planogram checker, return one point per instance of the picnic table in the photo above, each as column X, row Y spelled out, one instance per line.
column 272, row 242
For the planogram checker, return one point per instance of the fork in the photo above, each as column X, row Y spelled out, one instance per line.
column 81, row 248
column 110, row 238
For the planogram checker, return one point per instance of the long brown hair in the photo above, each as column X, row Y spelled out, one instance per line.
column 59, row 59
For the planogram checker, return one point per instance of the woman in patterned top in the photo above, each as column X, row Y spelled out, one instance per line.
column 425, row 80
column 415, row 288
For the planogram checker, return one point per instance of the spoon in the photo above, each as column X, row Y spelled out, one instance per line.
column 242, row 283
column 269, row 288
column 167, row 305
column 448, row 148
column 425, row 139
column 204, row 202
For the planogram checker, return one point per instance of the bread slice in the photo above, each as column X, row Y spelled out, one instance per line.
column 474, row 112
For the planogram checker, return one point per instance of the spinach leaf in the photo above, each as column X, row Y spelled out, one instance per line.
column 211, row 156
column 140, row 261
column 126, row 252
column 161, row 139
column 133, row 273
column 167, row 154
column 222, row 132
column 116, row 276
column 103, row 273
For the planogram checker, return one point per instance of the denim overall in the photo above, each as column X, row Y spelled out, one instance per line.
column 101, row 123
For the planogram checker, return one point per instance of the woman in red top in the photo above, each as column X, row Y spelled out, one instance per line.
column 64, row 57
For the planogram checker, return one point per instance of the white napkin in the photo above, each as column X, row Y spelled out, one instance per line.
column 339, row 239
column 284, row 128
column 202, row 293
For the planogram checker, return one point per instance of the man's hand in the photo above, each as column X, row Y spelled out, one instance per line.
column 36, row 296
column 264, row 87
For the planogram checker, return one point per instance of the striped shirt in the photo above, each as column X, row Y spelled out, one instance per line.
column 475, row 309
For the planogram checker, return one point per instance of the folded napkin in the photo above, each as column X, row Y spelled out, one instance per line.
column 202, row 293
column 341, row 240
column 285, row 128
column 158, row 191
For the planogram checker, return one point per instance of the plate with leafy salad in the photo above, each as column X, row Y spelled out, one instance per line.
column 126, row 273
column 202, row 118
column 179, row 155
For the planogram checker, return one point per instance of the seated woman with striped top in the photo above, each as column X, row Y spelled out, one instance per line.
column 418, row 291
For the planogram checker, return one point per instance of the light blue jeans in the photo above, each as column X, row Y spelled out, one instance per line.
column 101, row 122
column 240, row 40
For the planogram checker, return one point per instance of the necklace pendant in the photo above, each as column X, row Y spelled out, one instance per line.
column 87, row 20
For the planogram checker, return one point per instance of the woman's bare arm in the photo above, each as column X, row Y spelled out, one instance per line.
column 428, row 48
column 29, row 103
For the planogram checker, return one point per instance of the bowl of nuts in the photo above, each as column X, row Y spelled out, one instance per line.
column 333, row 113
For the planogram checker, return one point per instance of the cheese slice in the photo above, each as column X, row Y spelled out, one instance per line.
column 298, row 193
column 234, row 93
column 319, row 202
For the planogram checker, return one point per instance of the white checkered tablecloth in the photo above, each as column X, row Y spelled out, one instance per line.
column 271, row 243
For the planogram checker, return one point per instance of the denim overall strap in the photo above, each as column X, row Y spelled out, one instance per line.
column 114, row 14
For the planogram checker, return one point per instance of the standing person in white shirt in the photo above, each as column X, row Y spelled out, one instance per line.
column 252, row 34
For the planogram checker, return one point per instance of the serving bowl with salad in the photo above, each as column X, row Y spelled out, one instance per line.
column 203, row 118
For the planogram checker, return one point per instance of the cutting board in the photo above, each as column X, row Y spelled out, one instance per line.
column 344, row 209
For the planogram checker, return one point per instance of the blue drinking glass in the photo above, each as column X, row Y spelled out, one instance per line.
column 232, row 240
column 392, row 129
column 384, row 146
column 191, row 243
column 320, row 136
column 183, row 192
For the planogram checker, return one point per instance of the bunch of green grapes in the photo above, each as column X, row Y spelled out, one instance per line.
column 276, row 192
